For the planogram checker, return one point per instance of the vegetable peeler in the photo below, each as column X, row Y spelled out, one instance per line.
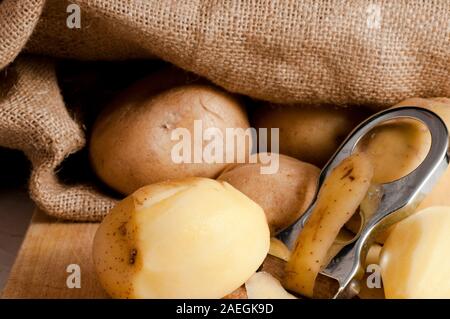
column 395, row 200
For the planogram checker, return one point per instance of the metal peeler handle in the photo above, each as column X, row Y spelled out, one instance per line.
column 398, row 199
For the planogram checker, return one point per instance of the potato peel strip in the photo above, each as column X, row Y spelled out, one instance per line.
column 339, row 198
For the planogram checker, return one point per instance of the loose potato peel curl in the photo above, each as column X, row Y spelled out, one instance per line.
column 339, row 198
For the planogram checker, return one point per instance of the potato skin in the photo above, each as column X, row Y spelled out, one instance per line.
column 339, row 197
column 396, row 148
column 308, row 133
column 284, row 196
column 131, row 141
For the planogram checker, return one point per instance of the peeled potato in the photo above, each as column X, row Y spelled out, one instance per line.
column 367, row 288
column 263, row 285
column 272, row 265
column 439, row 196
column 415, row 260
column 279, row 249
column 397, row 147
column 284, row 195
column 373, row 255
column 338, row 199
column 373, row 292
column 441, row 106
column 191, row 238
column 132, row 141
column 308, row 133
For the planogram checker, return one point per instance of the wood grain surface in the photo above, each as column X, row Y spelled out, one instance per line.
column 48, row 248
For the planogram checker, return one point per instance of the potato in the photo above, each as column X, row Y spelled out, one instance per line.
column 397, row 147
column 271, row 265
column 284, row 196
column 439, row 196
column 263, row 285
column 366, row 291
column 370, row 293
column 441, row 106
column 338, row 199
column 373, row 255
column 415, row 260
column 191, row 238
column 132, row 140
column 308, row 133
column 279, row 249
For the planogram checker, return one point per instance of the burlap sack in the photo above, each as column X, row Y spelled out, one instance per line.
column 285, row 51
column 33, row 119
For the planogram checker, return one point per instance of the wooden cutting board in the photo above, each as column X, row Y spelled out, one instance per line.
column 48, row 248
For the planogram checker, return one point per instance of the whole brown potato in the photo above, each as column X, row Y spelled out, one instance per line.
column 311, row 134
column 131, row 143
column 284, row 196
